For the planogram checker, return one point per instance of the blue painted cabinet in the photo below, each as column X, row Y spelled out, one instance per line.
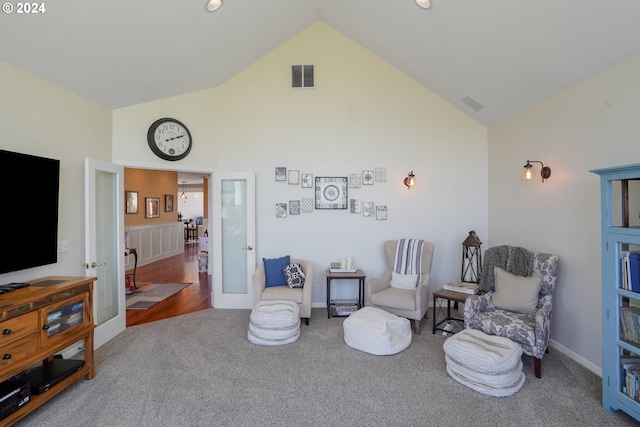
column 620, row 213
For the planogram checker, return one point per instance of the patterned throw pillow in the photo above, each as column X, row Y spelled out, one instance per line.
column 294, row 275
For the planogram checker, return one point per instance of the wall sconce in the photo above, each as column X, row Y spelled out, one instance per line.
column 410, row 181
column 425, row 4
column 529, row 173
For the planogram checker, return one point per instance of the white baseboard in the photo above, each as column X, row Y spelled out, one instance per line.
column 576, row 357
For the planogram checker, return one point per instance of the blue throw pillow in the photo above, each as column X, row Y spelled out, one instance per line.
column 273, row 269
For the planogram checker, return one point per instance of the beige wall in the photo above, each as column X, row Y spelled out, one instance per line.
column 590, row 125
column 363, row 113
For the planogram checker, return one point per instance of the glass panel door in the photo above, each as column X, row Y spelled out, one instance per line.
column 233, row 238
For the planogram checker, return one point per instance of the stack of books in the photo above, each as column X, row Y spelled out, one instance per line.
column 464, row 287
column 630, row 265
column 631, row 372
column 630, row 324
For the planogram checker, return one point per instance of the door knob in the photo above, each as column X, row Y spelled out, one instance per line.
column 93, row 265
column 249, row 248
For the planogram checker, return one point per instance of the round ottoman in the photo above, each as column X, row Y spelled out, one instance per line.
column 376, row 331
column 488, row 364
column 274, row 323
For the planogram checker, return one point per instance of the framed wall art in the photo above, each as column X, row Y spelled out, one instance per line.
column 294, row 177
column 153, row 207
column 307, row 180
column 168, row 202
column 281, row 173
column 131, row 202
column 331, row 192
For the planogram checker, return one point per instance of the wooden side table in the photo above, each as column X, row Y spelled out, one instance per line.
column 357, row 275
column 448, row 296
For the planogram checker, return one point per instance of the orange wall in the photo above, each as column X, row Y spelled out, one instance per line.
column 151, row 183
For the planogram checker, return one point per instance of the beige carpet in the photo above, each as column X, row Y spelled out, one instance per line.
column 148, row 295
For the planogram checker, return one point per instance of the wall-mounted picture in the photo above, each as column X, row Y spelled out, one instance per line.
column 381, row 212
column 294, row 207
column 281, row 173
column 294, row 177
column 381, row 174
column 307, row 180
column 131, row 202
column 367, row 177
column 153, row 207
column 281, row 210
column 168, row 202
column 331, row 192
column 368, row 209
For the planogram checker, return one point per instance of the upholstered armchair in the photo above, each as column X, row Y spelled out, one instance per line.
column 518, row 301
column 397, row 295
column 273, row 288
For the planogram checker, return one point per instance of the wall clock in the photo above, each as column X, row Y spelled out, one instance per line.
column 169, row 139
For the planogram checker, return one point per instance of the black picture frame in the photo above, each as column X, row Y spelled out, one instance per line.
column 332, row 192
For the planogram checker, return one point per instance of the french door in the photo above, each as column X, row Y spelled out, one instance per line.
column 104, row 246
column 233, row 239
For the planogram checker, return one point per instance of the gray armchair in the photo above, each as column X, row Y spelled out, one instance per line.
column 301, row 296
column 531, row 330
column 409, row 303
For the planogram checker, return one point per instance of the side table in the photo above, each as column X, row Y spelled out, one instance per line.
column 448, row 296
column 357, row 275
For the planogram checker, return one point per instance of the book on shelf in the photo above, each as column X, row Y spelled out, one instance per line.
column 630, row 324
column 464, row 287
column 630, row 270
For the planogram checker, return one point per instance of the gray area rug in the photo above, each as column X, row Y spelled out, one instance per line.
column 199, row 369
column 151, row 294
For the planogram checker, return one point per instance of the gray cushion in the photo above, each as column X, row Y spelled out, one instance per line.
column 516, row 293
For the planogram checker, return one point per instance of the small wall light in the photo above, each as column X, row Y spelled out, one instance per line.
column 410, row 181
column 529, row 173
column 425, row 4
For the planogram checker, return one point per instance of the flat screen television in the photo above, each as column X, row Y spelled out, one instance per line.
column 29, row 213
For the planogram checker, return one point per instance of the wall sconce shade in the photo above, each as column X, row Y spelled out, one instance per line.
column 529, row 173
column 410, row 181
column 425, row 4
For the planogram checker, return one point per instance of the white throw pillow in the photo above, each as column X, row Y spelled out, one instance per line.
column 516, row 293
column 403, row 281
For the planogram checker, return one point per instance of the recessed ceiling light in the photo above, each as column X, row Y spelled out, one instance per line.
column 425, row 4
column 213, row 5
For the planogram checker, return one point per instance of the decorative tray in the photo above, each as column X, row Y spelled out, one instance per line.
column 342, row 270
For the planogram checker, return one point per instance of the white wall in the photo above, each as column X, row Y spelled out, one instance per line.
column 590, row 125
column 37, row 117
column 363, row 114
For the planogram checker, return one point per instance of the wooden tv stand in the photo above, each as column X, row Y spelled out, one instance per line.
column 40, row 321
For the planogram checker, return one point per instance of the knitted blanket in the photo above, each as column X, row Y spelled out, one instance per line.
column 409, row 257
column 515, row 260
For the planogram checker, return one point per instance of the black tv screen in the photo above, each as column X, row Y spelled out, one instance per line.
column 29, row 212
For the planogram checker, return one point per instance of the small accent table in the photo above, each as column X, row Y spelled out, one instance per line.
column 357, row 275
column 449, row 296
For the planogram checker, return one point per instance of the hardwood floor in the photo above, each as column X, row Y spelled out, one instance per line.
column 177, row 269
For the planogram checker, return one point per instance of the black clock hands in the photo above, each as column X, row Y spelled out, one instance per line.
column 175, row 137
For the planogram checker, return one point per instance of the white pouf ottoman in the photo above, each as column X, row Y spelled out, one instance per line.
column 274, row 323
column 488, row 364
column 376, row 331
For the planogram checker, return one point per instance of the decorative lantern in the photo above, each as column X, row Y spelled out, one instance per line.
column 471, row 259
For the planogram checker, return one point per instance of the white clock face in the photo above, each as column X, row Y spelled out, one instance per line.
column 172, row 139
column 169, row 139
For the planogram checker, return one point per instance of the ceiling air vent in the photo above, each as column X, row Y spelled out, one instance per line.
column 302, row 76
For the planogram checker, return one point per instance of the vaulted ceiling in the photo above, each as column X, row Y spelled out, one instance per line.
column 491, row 58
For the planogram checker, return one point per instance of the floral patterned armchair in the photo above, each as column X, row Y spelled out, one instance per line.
column 531, row 330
